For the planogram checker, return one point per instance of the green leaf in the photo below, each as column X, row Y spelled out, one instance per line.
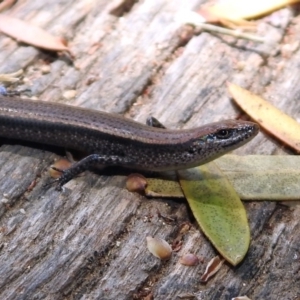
column 218, row 210
column 263, row 177
column 254, row 177
column 167, row 188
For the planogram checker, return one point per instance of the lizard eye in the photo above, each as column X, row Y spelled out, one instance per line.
column 223, row 134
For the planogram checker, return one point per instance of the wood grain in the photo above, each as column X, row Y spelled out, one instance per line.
column 132, row 57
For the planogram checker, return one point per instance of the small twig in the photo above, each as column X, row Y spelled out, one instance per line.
column 235, row 33
column 197, row 20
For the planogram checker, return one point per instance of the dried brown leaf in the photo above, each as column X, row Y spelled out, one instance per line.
column 6, row 4
column 30, row 34
column 212, row 268
column 61, row 165
column 269, row 117
column 11, row 77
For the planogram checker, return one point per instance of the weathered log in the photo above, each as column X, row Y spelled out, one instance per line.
column 133, row 58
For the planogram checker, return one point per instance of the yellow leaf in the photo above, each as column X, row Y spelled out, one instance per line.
column 269, row 117
column 238, row 10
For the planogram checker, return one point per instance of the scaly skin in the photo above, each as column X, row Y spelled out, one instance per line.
column 114, row 140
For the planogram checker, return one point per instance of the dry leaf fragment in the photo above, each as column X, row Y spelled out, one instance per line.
column 5, row 4
column 212, row 268
column 30, row 34
column 61, row 164
column 269, row 117
column 11, row 77
column 241, row 298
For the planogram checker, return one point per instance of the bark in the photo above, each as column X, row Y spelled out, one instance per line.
column 133, row 58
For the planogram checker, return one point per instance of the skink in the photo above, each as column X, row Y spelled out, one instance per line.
column 111, row 139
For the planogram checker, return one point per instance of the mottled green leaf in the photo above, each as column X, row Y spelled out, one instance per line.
column 254, row 177
column 217, row 209
column 263, row 177
column 167, row 188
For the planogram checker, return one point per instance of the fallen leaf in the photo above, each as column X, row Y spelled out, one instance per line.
column 55, row 171
column 30, row 34
column 268, row 116
column 11, row 77
column 212, row 268
column 157, row 187
column 5, row 4
column 263, row 177
column 213, row 17
column 238, row 11
column 217, row 209
column 254, row 177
